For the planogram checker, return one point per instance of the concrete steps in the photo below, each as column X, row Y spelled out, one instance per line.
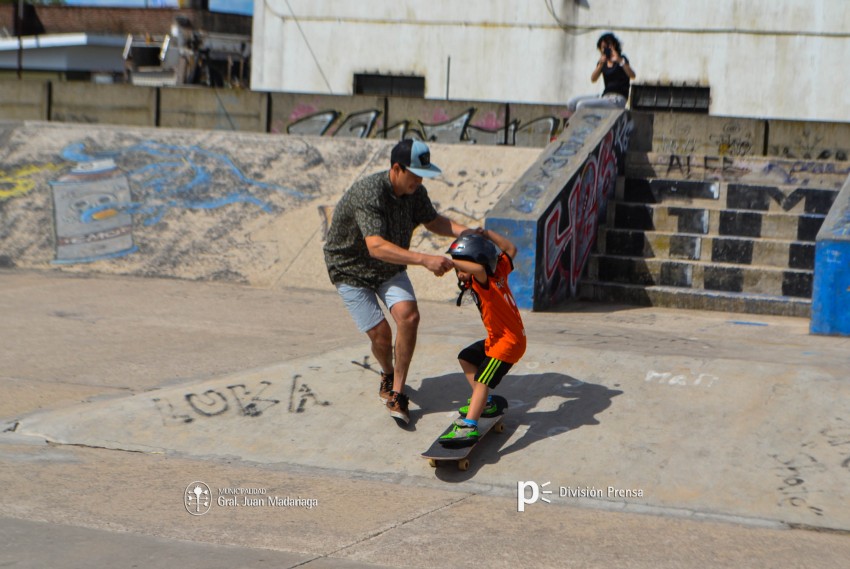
column 713, row 276
column 744, row 244
column 707, row 248
column 690, row 299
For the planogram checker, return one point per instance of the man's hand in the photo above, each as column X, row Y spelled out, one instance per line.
column 437, row 264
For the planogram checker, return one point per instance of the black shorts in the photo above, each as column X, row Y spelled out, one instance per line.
column 490, row 370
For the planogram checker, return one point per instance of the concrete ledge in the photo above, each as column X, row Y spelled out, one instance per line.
column 831, row 288
column 555, row 207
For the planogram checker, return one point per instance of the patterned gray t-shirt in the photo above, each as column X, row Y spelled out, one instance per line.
column 368, row 208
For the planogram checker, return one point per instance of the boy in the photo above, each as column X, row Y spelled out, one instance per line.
column 483, row 270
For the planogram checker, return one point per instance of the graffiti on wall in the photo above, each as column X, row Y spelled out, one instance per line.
column 23, row 179
column 470, row 126
column 98, row 201
column 808, row 145
column 568, row 229
column 732, row 141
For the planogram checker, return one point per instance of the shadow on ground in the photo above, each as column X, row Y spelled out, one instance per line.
column 542, row 406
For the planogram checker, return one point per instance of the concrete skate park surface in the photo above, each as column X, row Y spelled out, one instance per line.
column 722, row 430
column 667, row 438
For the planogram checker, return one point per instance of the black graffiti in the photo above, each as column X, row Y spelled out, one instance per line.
column 363, row 124
column 302, row 394
column 213, row 402
column 209, row 404
column 794, row 489
column 839, row 437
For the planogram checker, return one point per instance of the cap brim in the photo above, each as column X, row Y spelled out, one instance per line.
column 430, row 172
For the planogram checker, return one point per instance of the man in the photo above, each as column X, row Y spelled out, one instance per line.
column 367, row 254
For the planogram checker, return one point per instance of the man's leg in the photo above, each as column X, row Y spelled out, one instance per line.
column 381, row 337
column 406, row 316
column 362, row 304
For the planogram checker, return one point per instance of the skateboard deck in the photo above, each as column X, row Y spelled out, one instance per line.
column 438, row 452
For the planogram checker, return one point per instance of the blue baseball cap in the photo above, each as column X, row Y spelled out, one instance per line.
column 416, row 157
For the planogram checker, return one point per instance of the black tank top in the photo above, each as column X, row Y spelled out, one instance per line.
column 616, row 80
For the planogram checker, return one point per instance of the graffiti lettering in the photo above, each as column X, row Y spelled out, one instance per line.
column 569, row 230
column 246, row 401
column 299, row 395
column 308, row 120
column 792, row 471
column 681, row 379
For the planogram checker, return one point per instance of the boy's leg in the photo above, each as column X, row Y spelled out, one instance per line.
column 478, row 401
column 469, row 370
column 483, row 374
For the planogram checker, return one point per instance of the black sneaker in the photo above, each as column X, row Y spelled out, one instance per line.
column 397, row 406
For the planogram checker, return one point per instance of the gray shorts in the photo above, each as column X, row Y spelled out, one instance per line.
column 362, row 302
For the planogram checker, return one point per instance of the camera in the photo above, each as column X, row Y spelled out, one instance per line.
column 607, row 52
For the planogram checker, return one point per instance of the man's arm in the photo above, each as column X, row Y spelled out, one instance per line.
column 442, row 225
column 383, row 250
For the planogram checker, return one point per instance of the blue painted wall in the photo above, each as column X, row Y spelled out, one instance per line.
column 831, row 288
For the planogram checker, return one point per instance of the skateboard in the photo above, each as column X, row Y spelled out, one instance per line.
column 439, row 452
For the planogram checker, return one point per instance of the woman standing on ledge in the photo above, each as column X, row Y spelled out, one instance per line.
column 616, row 72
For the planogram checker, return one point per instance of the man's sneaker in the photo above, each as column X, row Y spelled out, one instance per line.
column 490, row 410
column 462, row 433
column 386, row 387
column 397, row 406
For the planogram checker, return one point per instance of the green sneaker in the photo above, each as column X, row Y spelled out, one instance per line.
column 461, row 433
column 490, row 410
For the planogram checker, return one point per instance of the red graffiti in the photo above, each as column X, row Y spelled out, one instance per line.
column 567, row 244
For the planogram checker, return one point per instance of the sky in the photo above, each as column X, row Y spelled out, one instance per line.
column 235, row 6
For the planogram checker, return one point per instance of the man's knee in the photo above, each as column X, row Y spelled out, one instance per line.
column 406, row 314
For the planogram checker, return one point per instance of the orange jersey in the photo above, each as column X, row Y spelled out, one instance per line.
column 505, row 330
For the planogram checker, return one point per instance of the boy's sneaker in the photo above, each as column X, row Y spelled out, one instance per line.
column 386, row 387
column 397, row 406
column 461, row 433
column 490, row 410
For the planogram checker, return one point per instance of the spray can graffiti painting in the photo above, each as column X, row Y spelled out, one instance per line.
column 90, row 223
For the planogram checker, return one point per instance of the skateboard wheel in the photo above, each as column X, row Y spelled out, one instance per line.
column 463, row 464
column 432, row 462
column 500, row 428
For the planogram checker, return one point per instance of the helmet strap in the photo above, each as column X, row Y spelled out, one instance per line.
column 463, row 288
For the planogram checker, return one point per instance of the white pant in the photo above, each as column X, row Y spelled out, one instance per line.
column 608, row 101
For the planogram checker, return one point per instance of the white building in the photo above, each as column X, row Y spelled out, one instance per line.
column 759, row 58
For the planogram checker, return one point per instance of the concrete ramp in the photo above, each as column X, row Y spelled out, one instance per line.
column 209, row 205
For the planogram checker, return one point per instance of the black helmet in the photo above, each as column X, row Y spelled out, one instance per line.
column 476, row 248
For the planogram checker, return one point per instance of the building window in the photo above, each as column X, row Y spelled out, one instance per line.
column 683, row 98
column 389, row 85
